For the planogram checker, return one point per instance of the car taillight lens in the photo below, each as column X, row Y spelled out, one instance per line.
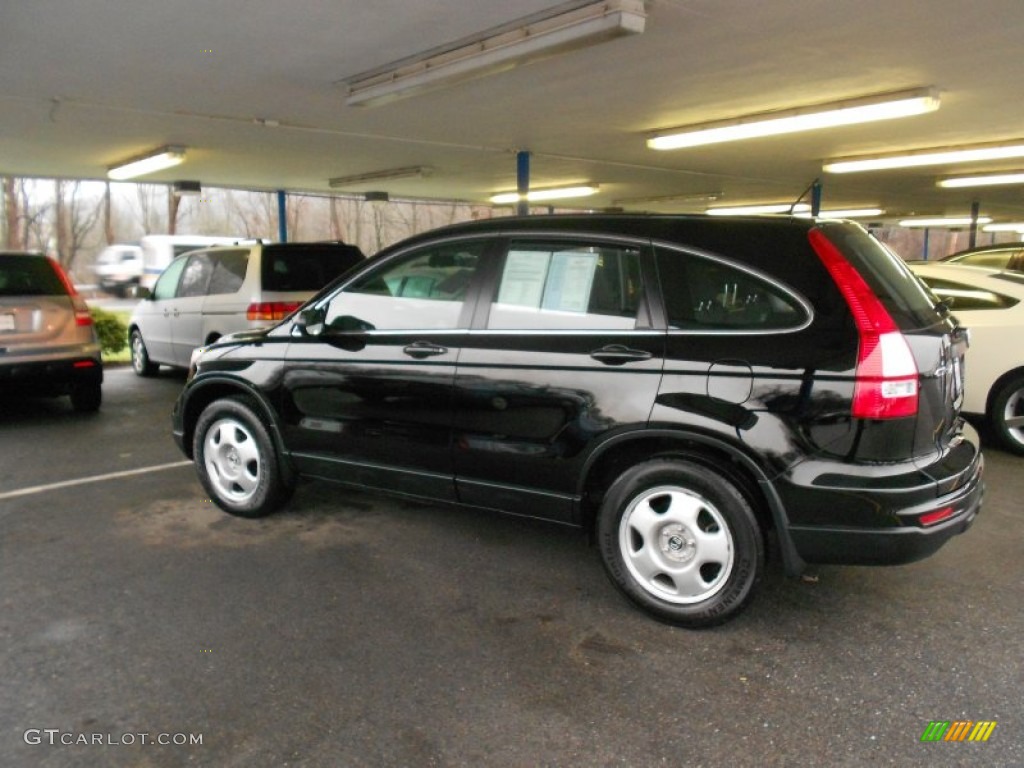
column 271, row 310
column 886, row 385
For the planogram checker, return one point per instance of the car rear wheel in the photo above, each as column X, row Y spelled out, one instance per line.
column 141, row 363
column 680, row 541
column 1008, row 415
column 236, row 460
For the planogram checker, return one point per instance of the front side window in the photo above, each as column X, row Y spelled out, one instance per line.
column 552, row 286
column 167, row 283
column 421, row 290
column 708, row 295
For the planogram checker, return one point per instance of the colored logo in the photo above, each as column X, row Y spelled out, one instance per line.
column 958, row 730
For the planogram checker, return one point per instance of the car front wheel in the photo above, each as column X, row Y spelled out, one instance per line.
column 141, row 363
column 1008, row 415
column 236, row 460
column 680, row 541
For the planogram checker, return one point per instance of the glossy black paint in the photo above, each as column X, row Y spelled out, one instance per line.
column 539, row 422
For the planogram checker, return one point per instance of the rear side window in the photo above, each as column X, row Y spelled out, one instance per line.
column 566, row 286
column 29, row 276
column 228, row 270
column 306, row 266
column 886, row 274
column 708, row 295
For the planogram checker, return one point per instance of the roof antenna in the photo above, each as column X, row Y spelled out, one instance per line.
column 815, row 189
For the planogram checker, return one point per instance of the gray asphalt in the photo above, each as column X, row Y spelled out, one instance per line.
column 356, row 630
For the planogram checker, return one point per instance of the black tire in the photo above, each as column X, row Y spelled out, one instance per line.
column 86, row 396
column 141, row 363
column 681, row 542
column 1007, row 415
column 236, row 460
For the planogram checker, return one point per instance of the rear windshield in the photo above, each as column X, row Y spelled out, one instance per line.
column 306, row 266
column 886, row 274
column 29, row 276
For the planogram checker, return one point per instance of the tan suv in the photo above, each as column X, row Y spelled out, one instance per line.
column 211, row 292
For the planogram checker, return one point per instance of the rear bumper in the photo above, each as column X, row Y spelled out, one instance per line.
column 897, row 521
column 49, row 377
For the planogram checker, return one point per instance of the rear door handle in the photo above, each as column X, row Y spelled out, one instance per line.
column 424, row 349
column 617, row 354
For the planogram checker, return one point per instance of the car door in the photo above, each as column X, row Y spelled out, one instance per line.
column 562, row 357
column 154, row 315
column 368, row 388
column 187, row 331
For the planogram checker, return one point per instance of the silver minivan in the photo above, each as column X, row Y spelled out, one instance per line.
column 211, row 292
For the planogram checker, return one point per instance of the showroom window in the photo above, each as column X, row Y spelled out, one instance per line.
column 547, row 286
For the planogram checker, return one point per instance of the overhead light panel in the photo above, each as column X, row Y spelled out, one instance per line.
column 151, row 162
column 849, row 112
column 926, row 157
column 846, row 213
column 989, row 180
column 543, row 195
column 754, row 210
column 388, row 174
column 944, row 221
column 1012, row 226
column 568, row 26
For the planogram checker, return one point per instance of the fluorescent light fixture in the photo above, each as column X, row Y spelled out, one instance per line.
column 848, row 213
column 925, row 157
column 542, row 195
column 388, row 174
column 944, row 221
column 988, row 180
column 852, row 111
column 1013, row 226
column 568, row 26
column 696, row 197
column 151, row 162
column 753, row 210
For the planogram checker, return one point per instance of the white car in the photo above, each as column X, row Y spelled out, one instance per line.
column 990, row 302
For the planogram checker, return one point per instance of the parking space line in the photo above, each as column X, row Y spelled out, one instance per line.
column 94, row 479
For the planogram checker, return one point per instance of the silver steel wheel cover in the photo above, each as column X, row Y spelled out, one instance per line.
column 137, row 361
column 1013, row 416
column 232, row 460
column 676, row 544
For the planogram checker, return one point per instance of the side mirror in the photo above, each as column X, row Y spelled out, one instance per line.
column 141, row 292
column 310, row 322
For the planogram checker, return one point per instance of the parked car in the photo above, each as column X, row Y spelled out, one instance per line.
column 211, row 292
column 48, row 345
column 687, row 388
column 118, row 268
column 990, row 302
column 1001, row 256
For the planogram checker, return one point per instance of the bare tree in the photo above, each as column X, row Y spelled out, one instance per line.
column 12, row 215
column 75, row 219
column 149, row 217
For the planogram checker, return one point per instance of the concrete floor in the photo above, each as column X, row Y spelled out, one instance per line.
column 354, row 630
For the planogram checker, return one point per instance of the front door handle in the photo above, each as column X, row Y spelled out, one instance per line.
column 424, row 349
column 617, row 354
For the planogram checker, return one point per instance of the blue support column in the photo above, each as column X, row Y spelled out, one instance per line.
column 282, row 216
column 926, row 231
column 522, row 182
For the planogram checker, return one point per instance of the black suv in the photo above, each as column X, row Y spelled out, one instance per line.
column 687, row 388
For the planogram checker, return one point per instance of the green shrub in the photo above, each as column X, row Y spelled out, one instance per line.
column 111, row 329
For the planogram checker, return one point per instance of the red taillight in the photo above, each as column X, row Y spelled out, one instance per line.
column 82, row 315
column 936, row 517
column 886, row 385
column 84, row 364
column 271, row 310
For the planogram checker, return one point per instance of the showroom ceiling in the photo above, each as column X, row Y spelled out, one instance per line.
column 255, row 91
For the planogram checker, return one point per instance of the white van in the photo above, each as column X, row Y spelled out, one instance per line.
column 158, row 251
column 118, row 268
